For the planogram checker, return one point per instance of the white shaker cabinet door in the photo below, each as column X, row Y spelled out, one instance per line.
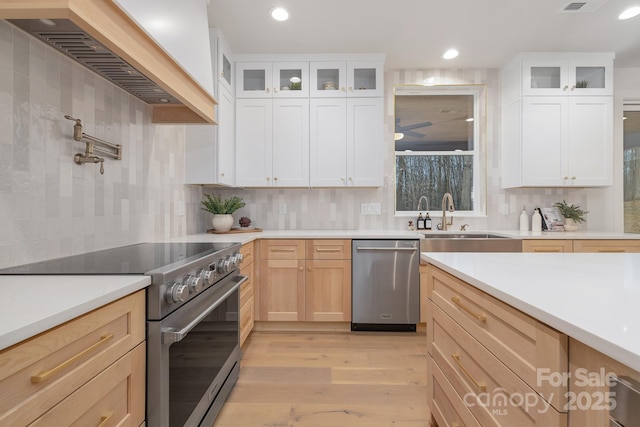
column 544, row 134
column 590, row 148
column 328, row 144
column 365, row 142
column 290, row 142
column 254, row 142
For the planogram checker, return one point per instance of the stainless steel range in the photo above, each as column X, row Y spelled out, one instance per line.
column 193, row 321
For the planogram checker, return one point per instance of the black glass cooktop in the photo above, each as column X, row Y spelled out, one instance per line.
column 141, row 258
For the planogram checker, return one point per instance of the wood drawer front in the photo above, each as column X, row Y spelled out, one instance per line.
column 115, row 397
column 547, row 245
column 447, row 408
column 328, row 249
column 246, row 289
column 247, row 318
column 81, row 348
column 519, row 341
column 282, row 249
column 605, row 246
column 248, row 253
column 475, row 373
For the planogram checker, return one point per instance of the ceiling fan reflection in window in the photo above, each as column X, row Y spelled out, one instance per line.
column 408, row 129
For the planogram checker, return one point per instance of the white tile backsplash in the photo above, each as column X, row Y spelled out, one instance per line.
column 51, row 207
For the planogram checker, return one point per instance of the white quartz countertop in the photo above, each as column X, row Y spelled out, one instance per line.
column 389, row 234
column 33, row 304
column 591, row 297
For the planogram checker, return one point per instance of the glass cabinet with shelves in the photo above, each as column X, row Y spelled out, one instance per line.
column 340, row 79
column 578, row 75
column 272, row 79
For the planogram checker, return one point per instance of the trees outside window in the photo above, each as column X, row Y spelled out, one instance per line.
column 631, row 169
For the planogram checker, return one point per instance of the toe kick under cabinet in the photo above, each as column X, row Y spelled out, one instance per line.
column 89, row 371
column 488, row 363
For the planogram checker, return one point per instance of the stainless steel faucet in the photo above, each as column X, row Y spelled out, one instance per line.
column 447, row 205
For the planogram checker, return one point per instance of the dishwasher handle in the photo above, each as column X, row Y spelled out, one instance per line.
column 373, row 248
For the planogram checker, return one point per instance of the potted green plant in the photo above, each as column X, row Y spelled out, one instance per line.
column 573, row 215
column 222, row 210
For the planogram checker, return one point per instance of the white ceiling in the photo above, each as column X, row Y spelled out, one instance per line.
column 414, row 33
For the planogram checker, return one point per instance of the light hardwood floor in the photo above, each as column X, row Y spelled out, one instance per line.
column 339, row 379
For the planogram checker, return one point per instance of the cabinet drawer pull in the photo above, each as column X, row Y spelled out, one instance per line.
column 283, row 250
column 105, row 418
column 327, row 249
column 479, row 317
column 546, row 250
column 479, row 385
column 610, row 250
column 46, row 374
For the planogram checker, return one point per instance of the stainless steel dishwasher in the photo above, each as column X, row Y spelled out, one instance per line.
column 385, row 285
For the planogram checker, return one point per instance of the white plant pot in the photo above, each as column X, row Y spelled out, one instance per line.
column 570, row 225
column 222, row 222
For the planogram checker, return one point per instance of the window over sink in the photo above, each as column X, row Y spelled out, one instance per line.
column 439, row 148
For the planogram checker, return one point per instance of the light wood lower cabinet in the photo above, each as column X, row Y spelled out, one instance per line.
column 547, row 245
column 247, row 292
column 605, row 246
column 581, row 245
column 589, row 385
column 304, row 280
column 486, row 357
column 86, row 371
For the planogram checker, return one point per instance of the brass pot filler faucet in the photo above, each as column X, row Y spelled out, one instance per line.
column 93, row 145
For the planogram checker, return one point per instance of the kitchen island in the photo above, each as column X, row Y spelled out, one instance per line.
column 573, row 313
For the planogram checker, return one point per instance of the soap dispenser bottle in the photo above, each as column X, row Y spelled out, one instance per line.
column 427, row 222
column 536, row 221
column 524, row 220
column 420, row 223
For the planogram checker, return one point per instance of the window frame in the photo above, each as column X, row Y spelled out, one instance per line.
column 479, row 190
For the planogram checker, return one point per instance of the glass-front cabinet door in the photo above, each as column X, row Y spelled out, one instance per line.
column 364, row 79
column 290, row 79
column 577, row 76
column 328, row 79
column 253, row 80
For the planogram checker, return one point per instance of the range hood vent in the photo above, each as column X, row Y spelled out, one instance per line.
column 69, row 39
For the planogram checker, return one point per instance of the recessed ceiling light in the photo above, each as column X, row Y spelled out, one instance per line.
column 470, row 119
column 450, row 54
column 629, row 13
column 279, row 13
column 48, row 22
column 398, row 136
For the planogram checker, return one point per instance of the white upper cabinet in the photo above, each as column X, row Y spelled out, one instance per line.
column 272, row 142
column 272, row 79
column 181, row 29
column 553, row 135
column 572, row 74
column 210, row 149
column 224, row 69
column 331, row 79
column 346, row 142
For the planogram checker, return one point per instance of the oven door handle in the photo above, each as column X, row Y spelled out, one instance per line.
column 170, row 335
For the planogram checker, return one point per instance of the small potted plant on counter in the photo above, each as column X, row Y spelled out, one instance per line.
column 573, row 215
column 222, row 210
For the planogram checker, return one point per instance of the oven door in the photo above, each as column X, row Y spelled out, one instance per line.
column 193, row 357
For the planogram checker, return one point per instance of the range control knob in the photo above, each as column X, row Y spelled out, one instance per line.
column 223, row 266
column 208, row 277
column 195, row 283
column 177, row 292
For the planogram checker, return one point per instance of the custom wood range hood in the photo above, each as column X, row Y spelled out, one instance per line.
column 124, row 53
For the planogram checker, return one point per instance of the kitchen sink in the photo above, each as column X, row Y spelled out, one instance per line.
column 468, row 242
